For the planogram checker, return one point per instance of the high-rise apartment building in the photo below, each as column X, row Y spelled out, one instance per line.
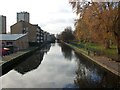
column 23, row 16
column 2, row 24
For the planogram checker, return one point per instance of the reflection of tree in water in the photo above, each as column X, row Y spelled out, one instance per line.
column 52, row 44
column 33, row 61
column 67, row 51
column 88, row 75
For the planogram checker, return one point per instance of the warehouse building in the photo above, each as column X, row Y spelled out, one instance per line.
column 14, row 41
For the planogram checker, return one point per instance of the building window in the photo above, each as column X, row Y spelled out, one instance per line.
column 9, row 43
column 24, row 31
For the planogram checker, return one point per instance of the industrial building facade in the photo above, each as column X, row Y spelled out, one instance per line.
column 17, row 41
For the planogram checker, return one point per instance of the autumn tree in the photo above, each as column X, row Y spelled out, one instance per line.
column 101, row 18
column 81, row 32
column 96, row 26
column 109, row 17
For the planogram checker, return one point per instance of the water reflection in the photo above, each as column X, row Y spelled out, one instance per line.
column 67, row 51
column 88, row 75
column 46, row 48
column 52, row 70
column 32, row 62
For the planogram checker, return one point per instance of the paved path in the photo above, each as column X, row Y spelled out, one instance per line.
column 107, row 63
column 7, row 58
column 14, row 55
column 103, row 61
column 1, row 60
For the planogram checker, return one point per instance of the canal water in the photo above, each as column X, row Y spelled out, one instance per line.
column 58, row 66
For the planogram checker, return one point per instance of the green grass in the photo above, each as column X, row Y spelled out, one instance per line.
column 112, row 52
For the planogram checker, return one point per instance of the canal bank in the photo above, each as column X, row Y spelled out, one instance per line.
column 102, row 61
column 45, row 69
column 10, row 61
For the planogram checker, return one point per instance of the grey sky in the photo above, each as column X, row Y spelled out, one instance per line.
column 51, row 15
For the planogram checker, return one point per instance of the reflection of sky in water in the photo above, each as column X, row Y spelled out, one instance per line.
column 59, row 68
column 54, row 71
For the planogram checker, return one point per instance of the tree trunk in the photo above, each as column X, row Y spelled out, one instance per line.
column 107, row 44
column 118, row 40
column 118, row 47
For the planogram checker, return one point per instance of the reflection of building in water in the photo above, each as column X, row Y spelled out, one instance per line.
column 46, row 48
column 31, row 63
column 89, row 75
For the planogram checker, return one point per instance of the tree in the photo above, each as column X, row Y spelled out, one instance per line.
column 67, row 35
column 101, row 18
column 110, row 18
column 81, row 31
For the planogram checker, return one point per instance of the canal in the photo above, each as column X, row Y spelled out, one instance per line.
column 58, row 66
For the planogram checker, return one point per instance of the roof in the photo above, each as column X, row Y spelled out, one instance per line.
column 11, row 36
column 21, row 22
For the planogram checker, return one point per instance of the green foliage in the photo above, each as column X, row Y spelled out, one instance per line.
column 67, row 35
column 112, row 52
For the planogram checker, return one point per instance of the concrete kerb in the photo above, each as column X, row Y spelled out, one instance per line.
column 25, row 54
column 7, row 65
column 95, row 61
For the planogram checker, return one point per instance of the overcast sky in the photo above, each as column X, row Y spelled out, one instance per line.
column 51, row 15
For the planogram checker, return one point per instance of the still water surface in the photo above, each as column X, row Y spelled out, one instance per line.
column 57, row 66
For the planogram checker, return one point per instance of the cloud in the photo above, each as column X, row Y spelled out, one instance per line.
column 56, row 28
column 42, row 12
column 47, row 75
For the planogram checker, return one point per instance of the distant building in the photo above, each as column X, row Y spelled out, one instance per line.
column 2, row 24
column 39, row 34
column 17, row 41
column 34, row 31
column 23, row 16
column 47, row 37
